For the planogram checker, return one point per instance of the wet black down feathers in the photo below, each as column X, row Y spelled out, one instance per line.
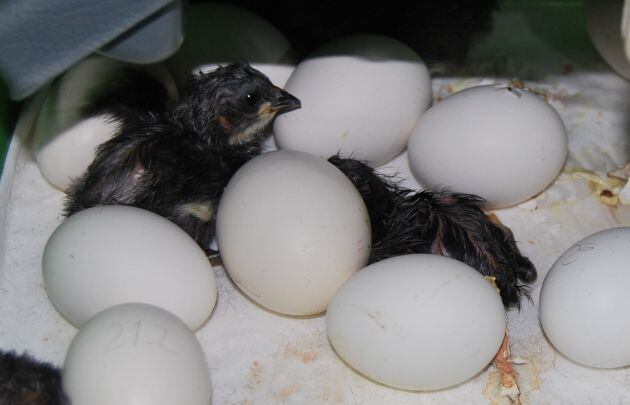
column 26, row 381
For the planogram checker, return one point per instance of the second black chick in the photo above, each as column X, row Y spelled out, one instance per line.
column 441, row 222
column 177, row 163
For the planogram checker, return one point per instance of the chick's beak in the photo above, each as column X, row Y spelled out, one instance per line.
column 285, row 102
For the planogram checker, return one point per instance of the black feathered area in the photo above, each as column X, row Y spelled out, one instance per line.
column 441, row 222
column 26, row 381
column 177, row 163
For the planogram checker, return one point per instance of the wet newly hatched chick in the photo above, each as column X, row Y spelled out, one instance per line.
column 177, row 164
column 451, row 224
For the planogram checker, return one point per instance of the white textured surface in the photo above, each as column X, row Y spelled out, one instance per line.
column 257, row 357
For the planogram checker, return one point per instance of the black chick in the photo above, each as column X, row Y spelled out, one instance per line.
column 441, row 222
column 26, row 381
column 177, row 163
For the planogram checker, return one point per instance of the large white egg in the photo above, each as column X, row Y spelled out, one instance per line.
column 65, row 137
column 361, row 95
column 136, row 354
column 501, row 143
column 110, row 255
column 417, row 322
column 291, row 229
column 584, row 300
column 217, row 34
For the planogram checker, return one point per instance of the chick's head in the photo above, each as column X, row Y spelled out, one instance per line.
column 233, row 104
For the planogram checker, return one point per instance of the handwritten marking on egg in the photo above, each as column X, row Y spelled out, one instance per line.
column 584, row 301
column 291, row 229
column 417, row 322
column 110, row 255
column 136, row 354
column 503, row 144
column 361, row 95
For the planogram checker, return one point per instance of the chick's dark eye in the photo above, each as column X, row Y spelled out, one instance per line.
column 252, row 99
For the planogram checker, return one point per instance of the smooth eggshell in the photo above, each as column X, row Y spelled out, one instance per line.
column 110, row 255
column 65, row 138
column 584, row 300
column 217, row 34
column 136, row 354
column 417, row 322
column 291, row 229
column 501, row 143
column 361, row 95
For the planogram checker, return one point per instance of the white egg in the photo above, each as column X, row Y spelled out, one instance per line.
column 136, row 354
column 417, row 322
column 217, row 34
column 110, row 255
column 361, row 95
column 65, row 138
column 584, row 300
column 501, row 143
column 291, row 229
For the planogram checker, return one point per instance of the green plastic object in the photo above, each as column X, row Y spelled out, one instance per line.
column 533, row 39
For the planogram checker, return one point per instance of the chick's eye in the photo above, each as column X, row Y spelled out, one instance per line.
column 252, row 99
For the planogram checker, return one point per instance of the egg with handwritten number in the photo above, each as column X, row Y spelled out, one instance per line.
column 136, row 354
column 417, row 322
column 584, row 300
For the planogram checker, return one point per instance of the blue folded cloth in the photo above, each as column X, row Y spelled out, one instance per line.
column 39, row 39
